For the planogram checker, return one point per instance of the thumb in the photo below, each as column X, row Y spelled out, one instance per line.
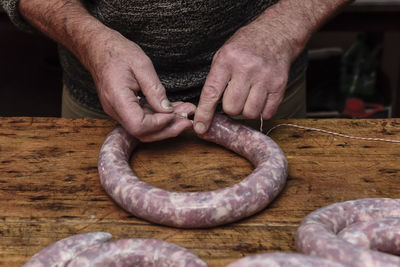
column 151, row 87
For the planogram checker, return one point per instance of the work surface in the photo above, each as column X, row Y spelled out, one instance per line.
column 50, row 189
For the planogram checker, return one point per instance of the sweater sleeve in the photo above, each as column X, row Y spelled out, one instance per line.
column 11, row 8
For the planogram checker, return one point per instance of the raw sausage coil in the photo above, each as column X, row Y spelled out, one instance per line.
column 92, row 249
column 352, row 234
column 61, row 252
column 347, row 232
column 196, row 209
column 339, row 235
column 283, row 260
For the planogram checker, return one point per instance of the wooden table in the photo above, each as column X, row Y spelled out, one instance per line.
column 49, row 185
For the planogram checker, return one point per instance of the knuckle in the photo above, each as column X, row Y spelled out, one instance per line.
column 250, row 113
column 279, row 81
column 135, row 127
column 254, row 64
column 134, row 130
column 231, row 109
column 229, row 53
column 143, row 61
column 211, row 92
column 156, row 88
column 216, row 56
column 269, row 111
column 267, row 116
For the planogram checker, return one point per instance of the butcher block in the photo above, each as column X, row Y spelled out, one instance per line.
column 50, row 189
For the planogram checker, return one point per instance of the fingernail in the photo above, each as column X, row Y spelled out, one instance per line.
column 165, row 104
column 183, row 115
column 200, row 128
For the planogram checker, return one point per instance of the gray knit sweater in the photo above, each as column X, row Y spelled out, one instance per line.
column 180, row 36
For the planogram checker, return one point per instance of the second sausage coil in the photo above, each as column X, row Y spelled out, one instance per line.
column 350, row 232
column 356, row 233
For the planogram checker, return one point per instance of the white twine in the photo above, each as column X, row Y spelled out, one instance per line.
column 332, row 133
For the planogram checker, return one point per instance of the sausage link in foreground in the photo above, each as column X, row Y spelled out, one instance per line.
column 196, row 209
column 351, row 231
column 61, row 252
column 283, row 260
column 92, row 249
column 340, row 235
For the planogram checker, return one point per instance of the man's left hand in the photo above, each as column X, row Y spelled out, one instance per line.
column 249, row 73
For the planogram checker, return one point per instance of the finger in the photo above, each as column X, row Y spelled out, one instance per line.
column 276, row 92
column 255, row 101
column 134, row 119
column 214, row 86
column 184, row 109
column 235, row 95
column 151, row 86
column 177, row 126
column 271, row 106
column 174, row 128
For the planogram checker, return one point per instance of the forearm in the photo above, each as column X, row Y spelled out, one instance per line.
column 67, row 22
column 297, row 20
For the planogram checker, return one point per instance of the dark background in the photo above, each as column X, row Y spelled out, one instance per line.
column 30, row 75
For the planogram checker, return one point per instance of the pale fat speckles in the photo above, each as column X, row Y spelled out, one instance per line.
column 62, row 251
column 148, row 252
column 223, row 131
column 219, row 213
column 278, row 259
column 314, row 236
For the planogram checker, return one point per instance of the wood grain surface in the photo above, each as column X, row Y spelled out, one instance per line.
column 49, row 185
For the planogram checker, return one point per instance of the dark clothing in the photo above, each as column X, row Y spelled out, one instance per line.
column 179, row 36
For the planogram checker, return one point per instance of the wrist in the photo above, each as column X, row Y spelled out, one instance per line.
column 291, row 23
column 90, row 44
column 68, row 23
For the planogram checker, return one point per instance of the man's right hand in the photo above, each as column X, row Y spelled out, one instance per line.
column 118, row 66
column 120, row 70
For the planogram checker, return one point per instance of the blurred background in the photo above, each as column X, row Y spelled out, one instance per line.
column 354, row 66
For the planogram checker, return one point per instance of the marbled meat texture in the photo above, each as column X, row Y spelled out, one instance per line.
column 61, row 252
column 344, row 232
column 196, row 209
column 381, row 234
column 91, row 249
column 283, row 260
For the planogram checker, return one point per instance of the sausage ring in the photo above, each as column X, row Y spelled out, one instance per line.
column 284, row 260
column 92, row 249
column 351, row 231
column 196, row 209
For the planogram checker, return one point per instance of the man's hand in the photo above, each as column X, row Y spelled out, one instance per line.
column 118, row 66
column 250, row 71
column 120, row 70
column 180, row 122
